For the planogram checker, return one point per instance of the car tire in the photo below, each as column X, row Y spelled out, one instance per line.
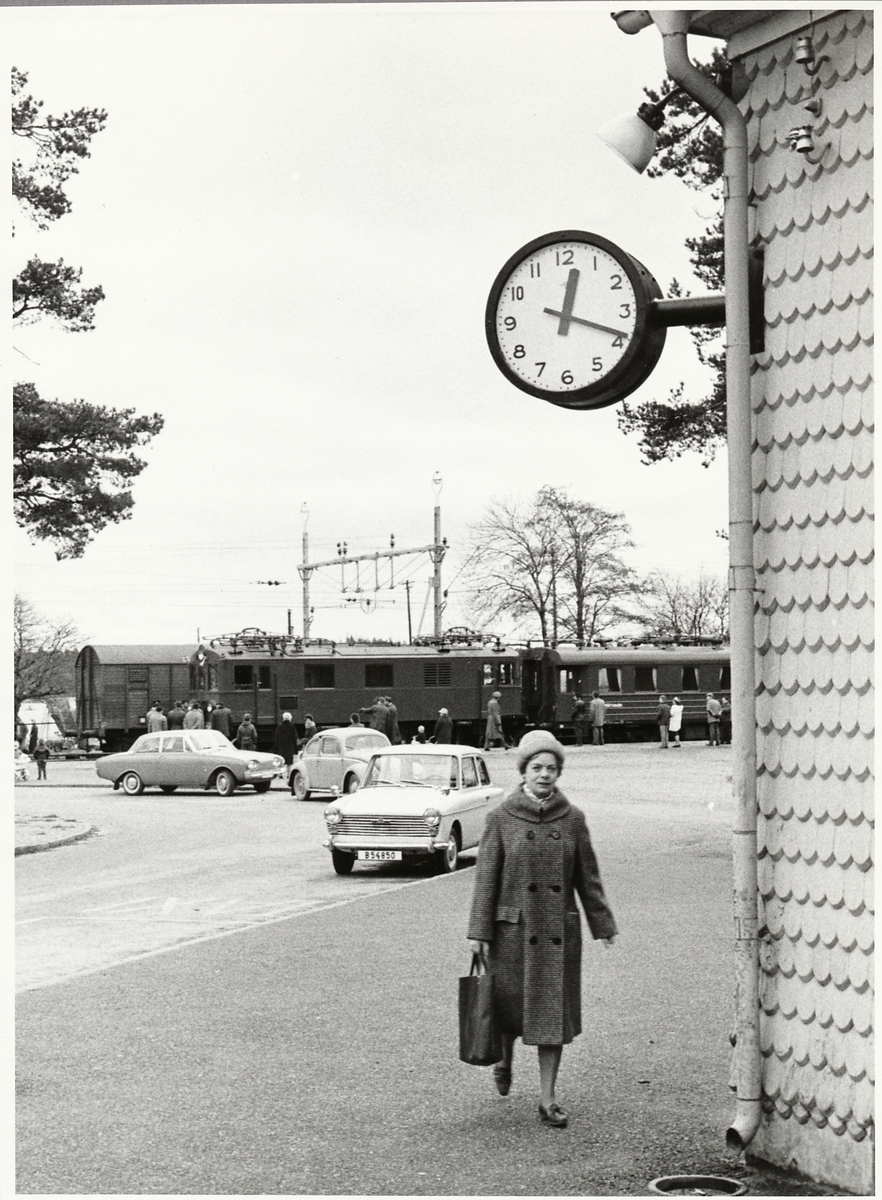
column 299, row 790
column 350, row 784
column 225, row 783
column 131, row 783
column 447, row 859
column 343, row 863
column 168, row 788
column 260, row 788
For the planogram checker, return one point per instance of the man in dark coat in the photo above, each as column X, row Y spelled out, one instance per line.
column 443, row 728
column 393, row 733
column 220, row 719
column 33, row 738
column 379, row 716
column 176, row 715
column 663, row 719
column 286, row 742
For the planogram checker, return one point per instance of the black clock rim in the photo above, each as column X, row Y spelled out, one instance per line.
column 615, row 384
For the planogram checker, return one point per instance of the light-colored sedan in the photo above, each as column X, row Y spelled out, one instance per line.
column 334, row 761
column 188, row 758
column 414, row 802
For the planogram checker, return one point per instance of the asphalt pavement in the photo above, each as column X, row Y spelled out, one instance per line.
column 318, row 1055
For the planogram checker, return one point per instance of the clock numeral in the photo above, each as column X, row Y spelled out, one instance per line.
column 519, row 351
column 624, row 310
column 616, row 285
column 510, row 323
column 618, row 341
column 517, row 292
column 540, row 365
column 535, row 270
column 596, row 364
column 563, row 257
column 566, row 377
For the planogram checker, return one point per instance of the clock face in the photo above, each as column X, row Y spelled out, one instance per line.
column 567, row 320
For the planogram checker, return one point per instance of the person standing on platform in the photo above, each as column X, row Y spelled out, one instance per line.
column 597, row 714
column 676, row 722
column 578, row 719
column 663, row 720
column 443, row 728
column 285, row 742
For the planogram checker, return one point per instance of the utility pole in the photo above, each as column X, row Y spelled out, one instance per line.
column 407, row 584
column 438, row 551
column 304, row 570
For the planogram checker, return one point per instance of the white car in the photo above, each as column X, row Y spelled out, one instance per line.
column 414, row 802
column 334, row 761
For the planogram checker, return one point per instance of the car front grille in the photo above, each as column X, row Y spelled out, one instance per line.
column 382, row 827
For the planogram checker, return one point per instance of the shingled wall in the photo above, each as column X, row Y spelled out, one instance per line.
column 813, row 483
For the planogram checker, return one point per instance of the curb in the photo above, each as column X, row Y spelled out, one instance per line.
column 64, row 841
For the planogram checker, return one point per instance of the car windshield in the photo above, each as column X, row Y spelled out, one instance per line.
column 420, row 770
column 210, row 739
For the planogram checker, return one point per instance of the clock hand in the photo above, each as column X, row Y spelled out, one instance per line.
column 581, row 321
column 569, row 300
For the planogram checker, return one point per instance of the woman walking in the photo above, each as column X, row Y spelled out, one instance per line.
column 535, row 855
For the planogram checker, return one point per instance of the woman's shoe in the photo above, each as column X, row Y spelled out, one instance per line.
column 502, row 1076
column 554, row 1115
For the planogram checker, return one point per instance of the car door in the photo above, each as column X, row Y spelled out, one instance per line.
column 329, row 765
column 175, row 761
column 473, row 799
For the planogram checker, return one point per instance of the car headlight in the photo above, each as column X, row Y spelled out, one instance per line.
column 333, row 816
column 278, row 761
column 432, row 818
column 252, row 764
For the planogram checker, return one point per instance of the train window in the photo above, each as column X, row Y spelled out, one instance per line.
column 264, row 678
column 690, row 679
column 319, row 675
column 378, row 675
column 436, row 674
column 243, row 677
column 608, row 680
column 469, row 774
column 644, row 679
column 725, row 678
column 506, row 674
column 137, row 674
column 288, row 703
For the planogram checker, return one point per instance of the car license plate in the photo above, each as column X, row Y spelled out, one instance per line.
column 379, row 855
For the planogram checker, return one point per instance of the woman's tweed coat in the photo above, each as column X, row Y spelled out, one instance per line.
column 530, row 866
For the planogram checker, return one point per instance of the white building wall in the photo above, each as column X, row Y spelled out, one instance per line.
column 813, row 482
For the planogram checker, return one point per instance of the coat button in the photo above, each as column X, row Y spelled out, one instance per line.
column 555, row 833
column 534, row 941
column 530, row 835
column 555, row 887
column 532, row 887
column 555, row 941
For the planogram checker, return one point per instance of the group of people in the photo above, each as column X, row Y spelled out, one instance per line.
column 190, row 715
column 594, row 713
column 669, row 719
column 384, row 718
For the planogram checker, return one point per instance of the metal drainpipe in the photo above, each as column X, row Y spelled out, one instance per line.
column 674, row 26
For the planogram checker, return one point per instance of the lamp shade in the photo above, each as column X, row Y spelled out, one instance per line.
column 630, row 138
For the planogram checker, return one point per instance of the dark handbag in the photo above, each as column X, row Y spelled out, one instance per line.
column 480, row 1039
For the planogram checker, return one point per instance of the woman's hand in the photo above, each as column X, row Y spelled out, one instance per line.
column 482, row 948
column 609, row 942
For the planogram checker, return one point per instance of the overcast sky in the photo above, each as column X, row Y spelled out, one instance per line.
column 296, row 213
